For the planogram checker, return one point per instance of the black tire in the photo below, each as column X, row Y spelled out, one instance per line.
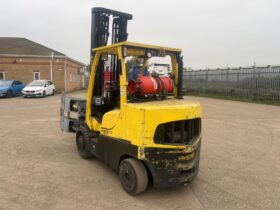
column 9, row 94
column 53, row 92
column 83, row 142
column 44, row 94
column 133, row 176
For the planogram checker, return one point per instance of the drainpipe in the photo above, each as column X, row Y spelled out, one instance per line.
column 65, row 71
column 51, row 66
column 83, row 77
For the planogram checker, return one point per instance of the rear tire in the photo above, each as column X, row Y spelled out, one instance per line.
column 83, row 142
column 53, row 92
column 133, row 176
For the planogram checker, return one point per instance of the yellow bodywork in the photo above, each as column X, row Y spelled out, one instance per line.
column 136, row 122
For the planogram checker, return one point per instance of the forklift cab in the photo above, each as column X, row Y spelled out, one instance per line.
column 109, row 85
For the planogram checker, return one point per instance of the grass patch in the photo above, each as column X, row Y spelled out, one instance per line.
column 235, row 98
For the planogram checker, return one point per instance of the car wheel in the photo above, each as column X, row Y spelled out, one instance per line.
column 53, row 92
column 9, row 94
column 83, row 142
column 44, row 94
column 133, row 176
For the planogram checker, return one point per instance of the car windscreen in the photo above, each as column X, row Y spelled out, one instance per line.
column 37, row 83
column 5, row 83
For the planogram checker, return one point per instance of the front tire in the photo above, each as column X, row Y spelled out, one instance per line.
column 133, row 176
column 44, row 94
column 83, row 142
column 9, row 94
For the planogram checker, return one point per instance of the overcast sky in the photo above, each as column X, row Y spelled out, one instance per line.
column 212, row 33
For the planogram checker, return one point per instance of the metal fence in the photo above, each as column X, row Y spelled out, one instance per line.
column 258, row 83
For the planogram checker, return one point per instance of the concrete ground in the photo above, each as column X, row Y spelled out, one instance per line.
column 40, row 167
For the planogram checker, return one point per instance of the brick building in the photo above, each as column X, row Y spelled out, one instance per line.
column 25, row 60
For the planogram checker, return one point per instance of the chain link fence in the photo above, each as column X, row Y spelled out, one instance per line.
column 257, row 83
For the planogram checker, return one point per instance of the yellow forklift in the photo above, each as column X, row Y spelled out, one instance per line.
column 135, row 122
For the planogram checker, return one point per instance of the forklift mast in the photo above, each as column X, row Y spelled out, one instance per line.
column 100, row 23
column 104, row 20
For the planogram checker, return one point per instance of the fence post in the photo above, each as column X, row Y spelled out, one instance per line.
column 227, row 75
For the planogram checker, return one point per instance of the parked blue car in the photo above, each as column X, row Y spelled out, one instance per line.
column 10, row 88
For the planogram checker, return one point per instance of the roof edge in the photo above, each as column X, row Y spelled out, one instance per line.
column 43, row 56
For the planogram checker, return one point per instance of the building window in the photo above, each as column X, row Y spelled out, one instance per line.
column 2, row 75
column 73, row 77
column 36, row 75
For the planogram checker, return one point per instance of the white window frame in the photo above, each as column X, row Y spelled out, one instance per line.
column 73, row 77
column 39, row 74
column 4, row 76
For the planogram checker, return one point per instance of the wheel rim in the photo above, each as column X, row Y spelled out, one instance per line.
column 127, row 177
column 81, row 143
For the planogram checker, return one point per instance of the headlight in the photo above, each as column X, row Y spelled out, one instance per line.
column 37, row 91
